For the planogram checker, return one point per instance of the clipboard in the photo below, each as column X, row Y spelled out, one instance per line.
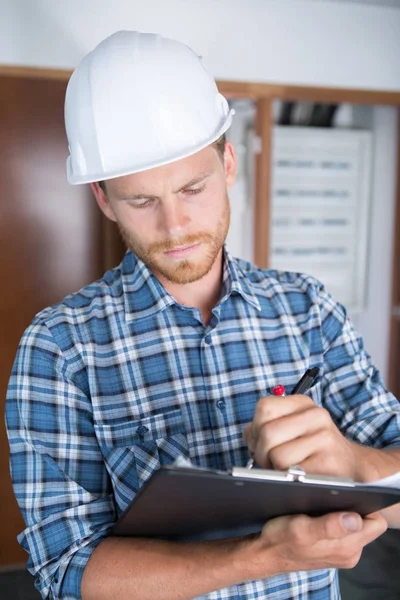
column 188, row 504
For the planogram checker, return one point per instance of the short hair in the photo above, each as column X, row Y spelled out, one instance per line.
column 219, row 145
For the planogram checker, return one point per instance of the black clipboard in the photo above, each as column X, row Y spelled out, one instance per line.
column 180, row 503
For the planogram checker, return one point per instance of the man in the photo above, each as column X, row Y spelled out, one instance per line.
column 175, row 352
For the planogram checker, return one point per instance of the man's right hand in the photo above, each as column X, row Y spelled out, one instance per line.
column 143, row 569
column 302, row 543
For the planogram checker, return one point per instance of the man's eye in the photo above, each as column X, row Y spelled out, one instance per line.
column 193, row 191
column 142, row 204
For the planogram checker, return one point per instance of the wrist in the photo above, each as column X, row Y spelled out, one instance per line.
column 372, row 463
column 255, row 559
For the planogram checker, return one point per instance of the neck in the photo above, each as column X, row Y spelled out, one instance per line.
column 202, row 294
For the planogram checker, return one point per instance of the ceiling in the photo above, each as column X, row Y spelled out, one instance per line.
column 381, row 3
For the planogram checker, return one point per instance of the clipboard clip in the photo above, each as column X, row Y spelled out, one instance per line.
column 293, row 474
column 296, row 473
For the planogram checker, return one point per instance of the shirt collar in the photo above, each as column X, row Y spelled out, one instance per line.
column 235, row 280
column 145, row 296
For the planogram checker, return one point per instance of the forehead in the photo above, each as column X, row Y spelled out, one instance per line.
column 168, row 177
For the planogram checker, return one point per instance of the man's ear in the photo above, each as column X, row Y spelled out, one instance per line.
column 230, row 165
column 103, row 201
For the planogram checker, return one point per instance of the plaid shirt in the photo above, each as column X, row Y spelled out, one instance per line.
column 119, row 379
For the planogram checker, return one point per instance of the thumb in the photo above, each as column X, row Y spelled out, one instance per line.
column 337, row 525
column 332, row 526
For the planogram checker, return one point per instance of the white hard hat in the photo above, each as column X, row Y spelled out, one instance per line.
column 139, row 101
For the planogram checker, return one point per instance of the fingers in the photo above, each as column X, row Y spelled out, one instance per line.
column 300, row 451
column 274, row 407
column 271, row 408
column 294, row 431
column 374, row 525
column 357, row 531
column 335, row 526
column 335, row 540
column 307, row 532
column 280, row 436
column 292, row 439
column 248, row 437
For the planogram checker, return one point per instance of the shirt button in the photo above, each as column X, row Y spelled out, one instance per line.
column 207, row 339
column 221, row 404
column 142, row 430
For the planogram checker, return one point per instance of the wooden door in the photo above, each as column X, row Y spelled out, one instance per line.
column 50, row 239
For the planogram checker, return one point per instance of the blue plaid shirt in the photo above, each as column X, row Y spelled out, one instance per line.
column 119, row 379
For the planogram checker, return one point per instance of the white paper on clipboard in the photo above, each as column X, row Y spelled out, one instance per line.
column 392, row 481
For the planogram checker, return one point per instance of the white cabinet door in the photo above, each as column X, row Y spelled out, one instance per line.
column 320, row 207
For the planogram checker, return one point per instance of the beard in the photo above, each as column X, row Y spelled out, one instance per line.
column 185, row 270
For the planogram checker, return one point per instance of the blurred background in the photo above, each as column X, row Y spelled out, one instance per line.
column 316, row 89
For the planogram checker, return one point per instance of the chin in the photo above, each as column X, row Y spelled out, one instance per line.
column 186, row 271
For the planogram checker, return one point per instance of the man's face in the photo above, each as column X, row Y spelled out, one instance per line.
column 175, row 218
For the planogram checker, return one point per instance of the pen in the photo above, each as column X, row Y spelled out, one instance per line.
column 306, row 381
column 301, row 387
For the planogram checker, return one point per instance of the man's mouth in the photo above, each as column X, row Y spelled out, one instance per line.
column 182, row 250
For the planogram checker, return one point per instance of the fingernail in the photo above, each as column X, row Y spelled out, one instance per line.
column 351, row 522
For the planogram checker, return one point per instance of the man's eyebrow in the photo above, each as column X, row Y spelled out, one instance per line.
column 144, row 196
column 195, row 181
column 127, row 197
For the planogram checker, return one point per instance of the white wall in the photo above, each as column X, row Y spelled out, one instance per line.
column 289, row 41
column 374, row 322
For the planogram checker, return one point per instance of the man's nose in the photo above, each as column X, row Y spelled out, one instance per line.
column 174, row 218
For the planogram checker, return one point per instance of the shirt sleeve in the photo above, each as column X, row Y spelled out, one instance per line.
column 59, row 477
column 352, row 387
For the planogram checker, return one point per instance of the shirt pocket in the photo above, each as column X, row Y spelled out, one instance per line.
column 134, row 449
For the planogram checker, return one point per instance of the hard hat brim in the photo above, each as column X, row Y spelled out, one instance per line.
column 93, row 177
